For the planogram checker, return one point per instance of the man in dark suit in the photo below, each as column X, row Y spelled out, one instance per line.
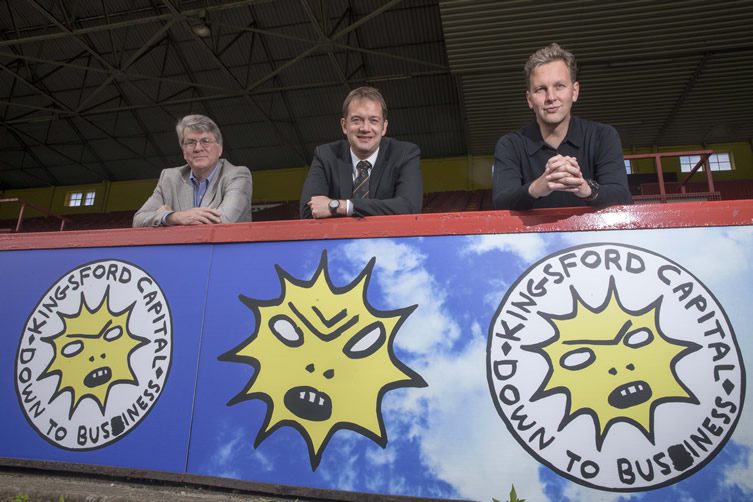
column 366, row 174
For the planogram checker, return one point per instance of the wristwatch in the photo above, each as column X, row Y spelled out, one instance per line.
column 594, row 191
column 333, row 205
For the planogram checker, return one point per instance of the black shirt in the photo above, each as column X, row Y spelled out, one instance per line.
column 521, row 156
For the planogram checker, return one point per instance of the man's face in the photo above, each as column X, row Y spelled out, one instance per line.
column 364, row 126
column 201, row 151
column 551, row 93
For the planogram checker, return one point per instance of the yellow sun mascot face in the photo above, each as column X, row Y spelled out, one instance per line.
column 612, row 364
column 323, row 359
column 92, row 353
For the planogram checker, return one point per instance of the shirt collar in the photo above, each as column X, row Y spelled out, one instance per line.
column 354, row 160
column 534, row 141
column 209, row 178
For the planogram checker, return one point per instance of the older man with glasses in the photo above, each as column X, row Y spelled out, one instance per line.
column 206, row 190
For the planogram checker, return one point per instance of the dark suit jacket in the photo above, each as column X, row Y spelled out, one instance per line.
column 229, row 192
column 395, row 185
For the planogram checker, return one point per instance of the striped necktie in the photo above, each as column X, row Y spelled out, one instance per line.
column 361, row 183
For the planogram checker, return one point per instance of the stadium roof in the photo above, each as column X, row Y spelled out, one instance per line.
column 91, row 90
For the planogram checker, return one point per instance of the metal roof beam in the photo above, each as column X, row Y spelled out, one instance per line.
column 131, row 76
column 217, row 97
column 689, row 85
column 285, row 101
column 121, row 24
column 324, row 40
column 246, row 95
column 121, row 72
column 104, row 62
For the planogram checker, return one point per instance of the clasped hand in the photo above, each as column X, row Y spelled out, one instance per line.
column 561, row 174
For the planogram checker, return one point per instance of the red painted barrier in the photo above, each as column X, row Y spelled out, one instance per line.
column 643, row 216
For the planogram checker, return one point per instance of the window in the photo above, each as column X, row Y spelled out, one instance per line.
column 73, row 199
column 77, row 199
column 89, row 200
column 628, row 166
column 717, row 162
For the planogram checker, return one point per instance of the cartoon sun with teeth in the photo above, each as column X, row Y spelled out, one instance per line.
column 613, row 364
column 92, row 353
column 323, row 359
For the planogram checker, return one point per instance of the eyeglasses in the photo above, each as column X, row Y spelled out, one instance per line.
column 205, row 142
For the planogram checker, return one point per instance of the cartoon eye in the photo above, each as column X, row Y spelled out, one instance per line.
column 638, row 338
column 365, row 342
column 113, row 334
column 286, row 331
column 577, row 359
column 72, row 348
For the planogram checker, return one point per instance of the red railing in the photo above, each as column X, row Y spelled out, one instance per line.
column 24, row 204
column 663, row 196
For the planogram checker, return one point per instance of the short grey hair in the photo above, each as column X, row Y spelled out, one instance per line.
column 197, row 123
column 552, row 52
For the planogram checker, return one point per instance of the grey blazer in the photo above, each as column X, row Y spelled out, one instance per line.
column 229, row 192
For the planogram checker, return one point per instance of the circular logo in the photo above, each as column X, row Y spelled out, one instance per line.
column 615, row 367
column 94, row 355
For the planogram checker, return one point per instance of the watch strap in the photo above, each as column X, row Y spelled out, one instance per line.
column 594, row 191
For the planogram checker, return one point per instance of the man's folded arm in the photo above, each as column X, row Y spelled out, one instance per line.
column 508, row 189
column 151, row 213
column 610, row 171
column 315, row 184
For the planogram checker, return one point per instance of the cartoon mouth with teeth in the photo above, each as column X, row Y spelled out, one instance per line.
column 612, row 364
column 98, row 377
column 323, row 359
column 630, row 394
column 308, row 403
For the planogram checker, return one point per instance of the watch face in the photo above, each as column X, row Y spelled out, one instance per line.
column 334, row 204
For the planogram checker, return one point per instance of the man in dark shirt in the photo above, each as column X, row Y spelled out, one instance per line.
column 558, row 160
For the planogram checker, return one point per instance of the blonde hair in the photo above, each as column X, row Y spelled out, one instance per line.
column 552, row 52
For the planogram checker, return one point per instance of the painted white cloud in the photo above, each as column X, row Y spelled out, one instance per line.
column 225, row 454
column 344, row 475
column 527, row 246
column 497, row 288
column 234, row 447
column 741, row 474
column 404, row 281
column 463, row 440
column 453, row 419
column 574, row 491
column 381, row 456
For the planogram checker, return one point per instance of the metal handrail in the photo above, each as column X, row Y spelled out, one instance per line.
column 24, row 204
column 704, row 161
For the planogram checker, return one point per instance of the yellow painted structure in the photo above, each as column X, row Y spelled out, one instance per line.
column 274, row 185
